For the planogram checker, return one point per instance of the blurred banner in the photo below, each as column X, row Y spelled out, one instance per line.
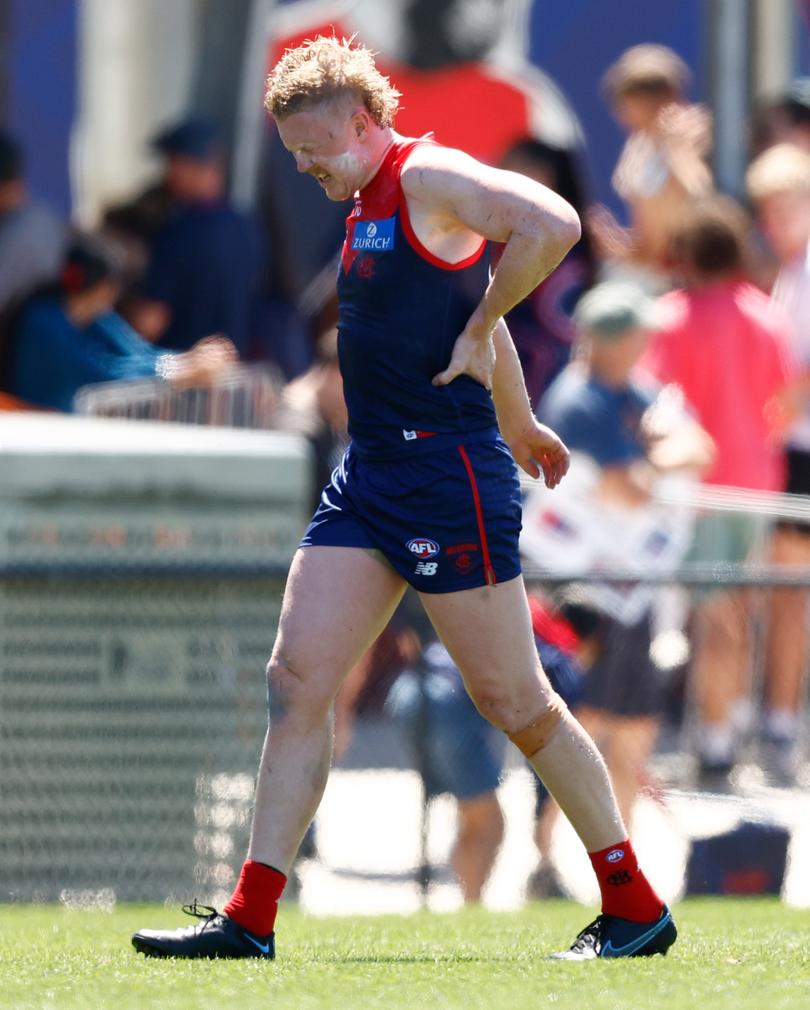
column 481, row 75
column 41, row 89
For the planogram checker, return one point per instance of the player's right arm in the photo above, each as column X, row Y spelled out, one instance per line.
column 452, row 194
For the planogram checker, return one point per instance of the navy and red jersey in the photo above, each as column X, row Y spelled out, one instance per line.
column 401, row 310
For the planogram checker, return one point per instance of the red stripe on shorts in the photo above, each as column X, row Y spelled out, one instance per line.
column 489, row 571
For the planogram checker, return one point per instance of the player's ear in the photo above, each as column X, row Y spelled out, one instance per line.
column 360, row 123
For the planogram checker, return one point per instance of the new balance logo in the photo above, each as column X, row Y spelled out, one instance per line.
column 426, row 568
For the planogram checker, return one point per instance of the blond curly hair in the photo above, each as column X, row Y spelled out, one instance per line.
column 326, row 68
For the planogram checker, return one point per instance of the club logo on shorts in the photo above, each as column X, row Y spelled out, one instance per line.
column 374, row 236
column 615, row 855
column 423, row 548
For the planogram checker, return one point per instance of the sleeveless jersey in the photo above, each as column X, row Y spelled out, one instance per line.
column 400, row 312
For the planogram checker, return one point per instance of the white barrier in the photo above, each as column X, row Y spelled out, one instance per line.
column 247, row 397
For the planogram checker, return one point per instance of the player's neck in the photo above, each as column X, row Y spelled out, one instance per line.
column 383, row 144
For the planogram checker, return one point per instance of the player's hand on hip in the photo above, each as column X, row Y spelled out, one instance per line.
column 538, row 449
column 473, row 354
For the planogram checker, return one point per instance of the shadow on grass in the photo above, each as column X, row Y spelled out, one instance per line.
column 420, row 959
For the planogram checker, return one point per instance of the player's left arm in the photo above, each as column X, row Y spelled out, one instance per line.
column 537, row 227
column 534, row 446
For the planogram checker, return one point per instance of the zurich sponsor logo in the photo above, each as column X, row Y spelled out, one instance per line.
column 374, row 236
column 615, row 855
column 423, row 548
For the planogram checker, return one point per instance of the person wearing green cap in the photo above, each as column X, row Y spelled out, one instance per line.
column 600, row 406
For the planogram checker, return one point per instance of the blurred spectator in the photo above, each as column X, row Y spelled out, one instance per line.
column 662, row 167
column 726, row 346
column 66, row 335
column 32, row 239
column 779, row 184
column 599, row 408
column 461, row 753
column 566, row 633
column 784, row 120
column 134, row 224
column 541, row 325
column 313, row 405
column 206, row 262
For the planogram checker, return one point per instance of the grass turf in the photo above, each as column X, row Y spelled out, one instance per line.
column 731, row 954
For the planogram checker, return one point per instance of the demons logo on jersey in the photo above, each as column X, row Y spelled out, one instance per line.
column 366, row 267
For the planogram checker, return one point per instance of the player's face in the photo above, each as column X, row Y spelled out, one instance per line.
column 325, row 144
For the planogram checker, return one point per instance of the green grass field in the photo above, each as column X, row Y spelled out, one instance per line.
column 731, row 954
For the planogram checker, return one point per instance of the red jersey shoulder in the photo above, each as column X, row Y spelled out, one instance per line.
column 378, row 204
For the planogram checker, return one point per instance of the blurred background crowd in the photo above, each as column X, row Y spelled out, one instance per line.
column 154, row 236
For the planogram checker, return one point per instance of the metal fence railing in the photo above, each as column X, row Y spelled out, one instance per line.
column 247, row 397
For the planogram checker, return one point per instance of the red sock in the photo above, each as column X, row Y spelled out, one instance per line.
column 626, row 892
column 254, row 902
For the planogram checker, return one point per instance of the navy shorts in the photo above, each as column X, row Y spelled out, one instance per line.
column 445, row 521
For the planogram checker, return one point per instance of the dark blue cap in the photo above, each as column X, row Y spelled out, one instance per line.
column 192, row 138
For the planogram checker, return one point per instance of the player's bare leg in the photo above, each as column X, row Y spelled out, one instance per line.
column 337, row 600
column 488, row 633
column 627, row 743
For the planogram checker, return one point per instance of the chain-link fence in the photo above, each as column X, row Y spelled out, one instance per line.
column 141, row 571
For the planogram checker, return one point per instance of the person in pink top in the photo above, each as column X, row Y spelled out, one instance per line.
column 727, row 346
column 778, row 183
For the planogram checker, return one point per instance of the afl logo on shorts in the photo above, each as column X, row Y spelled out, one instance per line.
column 615, row 855
column 423, row 548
